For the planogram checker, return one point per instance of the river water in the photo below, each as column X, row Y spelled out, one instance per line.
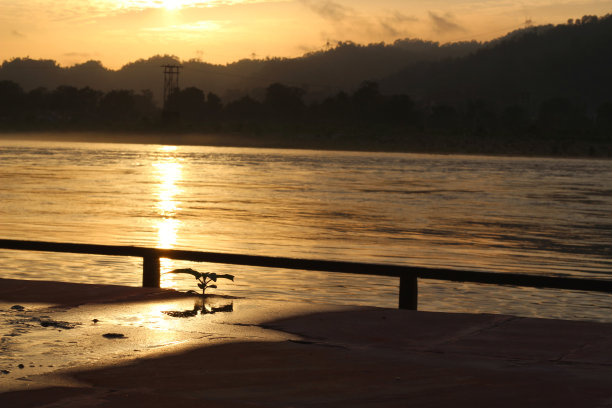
column 525, row 215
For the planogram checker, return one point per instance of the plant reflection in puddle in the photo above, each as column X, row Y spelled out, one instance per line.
column 202, row 307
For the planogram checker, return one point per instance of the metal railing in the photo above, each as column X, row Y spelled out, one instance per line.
column 408, row 275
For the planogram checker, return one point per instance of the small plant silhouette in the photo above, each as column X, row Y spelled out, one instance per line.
column 205, row 279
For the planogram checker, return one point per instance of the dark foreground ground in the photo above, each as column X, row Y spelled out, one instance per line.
column 276, row 354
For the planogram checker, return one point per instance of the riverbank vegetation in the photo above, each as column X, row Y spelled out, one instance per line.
column 363, row 120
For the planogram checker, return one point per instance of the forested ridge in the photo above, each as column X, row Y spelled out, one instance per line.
column 538, row 90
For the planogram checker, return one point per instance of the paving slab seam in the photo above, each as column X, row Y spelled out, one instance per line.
column 499, row 321
column 571, row 355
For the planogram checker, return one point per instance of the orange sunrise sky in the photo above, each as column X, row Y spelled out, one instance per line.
column 116, row 32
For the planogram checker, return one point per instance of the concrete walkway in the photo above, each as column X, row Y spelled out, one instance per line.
column 276, row 354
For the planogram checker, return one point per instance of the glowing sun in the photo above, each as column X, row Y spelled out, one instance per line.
column 171, row 4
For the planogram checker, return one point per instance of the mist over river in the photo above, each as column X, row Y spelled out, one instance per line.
column 522, row 215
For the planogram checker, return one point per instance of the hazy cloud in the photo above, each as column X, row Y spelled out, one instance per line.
column 77, row 55
column 348, row 22
column 444, row 24
column 198, row 26
column 184, row 32
column 79, row 11
column 328, row 9
column 394, row 24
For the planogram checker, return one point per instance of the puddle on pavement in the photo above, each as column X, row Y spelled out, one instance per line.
column 202, row 307
column 38, row 339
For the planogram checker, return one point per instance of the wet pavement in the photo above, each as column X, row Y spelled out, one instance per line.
column 42, row 338
column 170, row 350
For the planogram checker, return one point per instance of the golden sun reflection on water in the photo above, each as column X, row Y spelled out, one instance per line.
column 168, row 175
column 167, row 230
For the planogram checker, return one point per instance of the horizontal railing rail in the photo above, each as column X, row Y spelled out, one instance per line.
column 409, row 275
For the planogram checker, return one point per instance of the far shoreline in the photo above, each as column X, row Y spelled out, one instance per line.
column 435, row 145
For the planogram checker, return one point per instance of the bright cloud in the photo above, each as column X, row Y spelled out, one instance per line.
column 120, row 31
column 183, row 32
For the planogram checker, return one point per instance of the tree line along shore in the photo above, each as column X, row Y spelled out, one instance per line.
column 364, row 119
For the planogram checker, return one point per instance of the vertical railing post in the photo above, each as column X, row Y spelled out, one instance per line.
column 150, row 271
column 408, row 292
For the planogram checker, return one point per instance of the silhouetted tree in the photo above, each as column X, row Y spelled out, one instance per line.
column 401, row 109
column 604, row 121
column 367, row 101
column 144, row 103
column 560, row 117
column 65, row 99
column 38, row 100
column 443, row 118
column 12, row 100
column 284, row 102
column 213, row 111
column 214, row 106
column 479, row 119
column 589, row 19
column 244, row 113
column 89, row 100
column 335, row 110
column 118, row 106
column 189, row 103
column 515, row 119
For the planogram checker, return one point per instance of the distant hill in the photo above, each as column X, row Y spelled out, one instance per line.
column 323, row 73
column 525, row 67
